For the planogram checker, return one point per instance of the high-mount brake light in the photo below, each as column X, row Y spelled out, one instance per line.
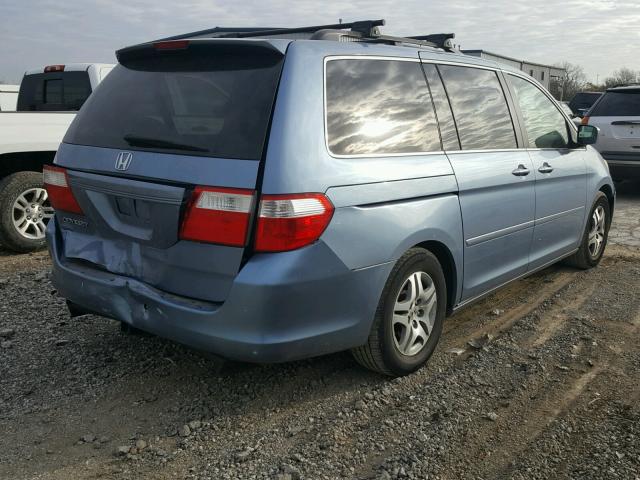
column 288, row 222
column 171, row 45
column 54, row 68
column 56, row 182
column 218, row 215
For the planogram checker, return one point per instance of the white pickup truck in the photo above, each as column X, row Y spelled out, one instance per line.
column 8, row 97
column 29, row 138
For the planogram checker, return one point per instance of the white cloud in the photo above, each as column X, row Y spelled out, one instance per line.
column 601, row 35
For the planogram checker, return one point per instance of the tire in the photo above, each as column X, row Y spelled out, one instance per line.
column 585, row 257
column 18, row 193
column 390, row 348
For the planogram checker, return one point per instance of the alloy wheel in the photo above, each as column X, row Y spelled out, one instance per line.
column 31, row 213
column 597, row 231
column 414, row 313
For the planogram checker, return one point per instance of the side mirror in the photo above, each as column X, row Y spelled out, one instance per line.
column 587, row 134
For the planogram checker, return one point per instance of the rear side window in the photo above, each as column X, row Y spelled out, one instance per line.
column 206, row 100
column 618, row 104
column 378, row 107
column 56, row 91
column 546, row 127
column 479, row 108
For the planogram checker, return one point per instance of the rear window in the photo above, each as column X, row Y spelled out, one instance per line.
column 205, row 100
column 583, row 101
column 618, row 104
column 379, row 107
column 56, row 91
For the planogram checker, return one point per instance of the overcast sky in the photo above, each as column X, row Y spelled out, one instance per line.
column 600, row 35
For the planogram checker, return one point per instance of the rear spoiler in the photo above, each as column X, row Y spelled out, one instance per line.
column 161, row 48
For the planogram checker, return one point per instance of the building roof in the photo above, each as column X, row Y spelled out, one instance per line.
column 480, row 51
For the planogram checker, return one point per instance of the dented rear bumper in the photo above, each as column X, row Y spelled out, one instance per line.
column 281, row 306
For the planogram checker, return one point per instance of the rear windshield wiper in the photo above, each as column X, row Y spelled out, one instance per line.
column 136, row 141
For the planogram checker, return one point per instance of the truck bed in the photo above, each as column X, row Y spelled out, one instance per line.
column 33, row 131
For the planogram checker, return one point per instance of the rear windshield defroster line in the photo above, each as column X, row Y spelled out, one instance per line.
column 206, row 100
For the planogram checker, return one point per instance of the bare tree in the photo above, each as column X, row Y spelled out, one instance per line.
column 573, row 81
column 624, row 76
column 593, row 87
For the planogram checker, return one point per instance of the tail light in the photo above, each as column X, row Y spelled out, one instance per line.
column 585, row 121
column 218, row 215
column 56, row 182
column 287, row 222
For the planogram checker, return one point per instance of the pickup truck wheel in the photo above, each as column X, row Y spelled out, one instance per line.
column 24, row 212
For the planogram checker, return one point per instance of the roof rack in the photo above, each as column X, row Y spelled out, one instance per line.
column 360, row 31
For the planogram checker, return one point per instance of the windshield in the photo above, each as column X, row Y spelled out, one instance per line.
column 209, row 101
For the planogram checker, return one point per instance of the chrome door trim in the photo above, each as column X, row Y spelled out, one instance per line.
column 498, row 233
column 548, row 218
column 470, row 242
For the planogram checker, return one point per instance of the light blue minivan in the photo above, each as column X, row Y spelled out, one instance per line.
column 280, row 194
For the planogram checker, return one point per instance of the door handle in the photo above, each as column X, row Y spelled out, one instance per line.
column 521, row 171
column 545, row 168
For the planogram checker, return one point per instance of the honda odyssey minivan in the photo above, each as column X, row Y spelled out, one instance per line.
column 269, row 197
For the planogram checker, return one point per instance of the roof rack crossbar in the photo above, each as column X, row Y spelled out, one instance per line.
column 209, row 31
column 441, row 40
column 363, row 30
column 365, row 27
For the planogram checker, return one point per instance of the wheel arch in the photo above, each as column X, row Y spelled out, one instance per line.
column 24, row 161
column 448, row 264
column 608, row 191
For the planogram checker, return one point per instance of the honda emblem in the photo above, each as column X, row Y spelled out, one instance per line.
column 123, row 160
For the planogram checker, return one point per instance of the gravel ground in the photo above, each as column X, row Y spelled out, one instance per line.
column 626, row 229
column 548, row 389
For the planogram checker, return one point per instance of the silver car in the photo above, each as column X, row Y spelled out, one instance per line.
column 617, row 116
column 270, row 199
